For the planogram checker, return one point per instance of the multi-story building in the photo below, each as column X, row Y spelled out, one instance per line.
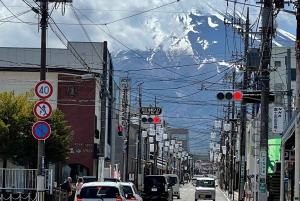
column 181, row 134
column 88, row 105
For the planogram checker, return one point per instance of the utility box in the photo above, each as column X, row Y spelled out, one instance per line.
column 253, row 59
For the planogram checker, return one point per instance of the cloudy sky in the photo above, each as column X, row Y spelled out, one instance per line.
column 124, row 24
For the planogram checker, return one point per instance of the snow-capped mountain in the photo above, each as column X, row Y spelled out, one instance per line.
column 187, row 66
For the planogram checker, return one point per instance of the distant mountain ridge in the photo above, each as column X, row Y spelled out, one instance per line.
column 196, row 59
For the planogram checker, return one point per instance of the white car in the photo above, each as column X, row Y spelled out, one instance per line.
column 130, row 191
column 205, row 189
column 101, row 191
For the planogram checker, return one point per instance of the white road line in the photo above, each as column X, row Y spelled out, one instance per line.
column 224, row 194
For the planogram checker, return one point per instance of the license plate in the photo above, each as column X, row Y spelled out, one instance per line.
column 202, row 196
column 154, row 189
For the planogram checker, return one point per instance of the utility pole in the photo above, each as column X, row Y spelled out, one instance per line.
column 244, row 117
column 155, row 148
column 297, row 129
column 139, row 158
column 41, row 143
column 126, row 140
column 103, row 113
column 232, row 138
column 267, row 29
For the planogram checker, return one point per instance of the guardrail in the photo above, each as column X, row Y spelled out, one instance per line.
column 24, row 179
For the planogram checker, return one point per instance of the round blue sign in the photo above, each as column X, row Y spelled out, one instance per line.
column 41, row 130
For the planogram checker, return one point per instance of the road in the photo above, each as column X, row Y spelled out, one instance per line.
column 187, row 193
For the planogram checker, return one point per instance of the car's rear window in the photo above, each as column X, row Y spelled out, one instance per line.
column 127, row 189
column 205, row 183
column 99, row 191
column 110, row 180
column 157, row 181
column 173, row 180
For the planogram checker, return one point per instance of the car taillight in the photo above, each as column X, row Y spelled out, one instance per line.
column 118, row 199
column 79, row 199
column 132, row 198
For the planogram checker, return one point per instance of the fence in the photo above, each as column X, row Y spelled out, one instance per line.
column 58, row 195
column 18, row 180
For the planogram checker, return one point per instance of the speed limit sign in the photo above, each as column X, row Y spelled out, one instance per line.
column 43, row 89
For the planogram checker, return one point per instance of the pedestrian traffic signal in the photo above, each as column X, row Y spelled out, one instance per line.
column 150, row 120
column 120, row 131
column 229, row 96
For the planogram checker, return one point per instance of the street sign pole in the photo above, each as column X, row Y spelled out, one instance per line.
column 41, row 143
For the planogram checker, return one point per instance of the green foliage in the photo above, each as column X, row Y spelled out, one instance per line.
column 19, row 146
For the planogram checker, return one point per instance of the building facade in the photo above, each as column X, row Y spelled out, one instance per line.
column 88, row 105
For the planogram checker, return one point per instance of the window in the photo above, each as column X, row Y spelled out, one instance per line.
column 205, row 183
column 99, row 191
column 293, row 74
column 173, row 180
column 127, row 189
column 277, row 63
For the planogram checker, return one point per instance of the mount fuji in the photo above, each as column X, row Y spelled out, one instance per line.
column 187, row 66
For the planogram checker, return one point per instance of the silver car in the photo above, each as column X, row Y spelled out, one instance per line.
column 205, row 189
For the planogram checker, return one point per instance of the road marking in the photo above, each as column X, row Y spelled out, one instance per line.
column 224, row 194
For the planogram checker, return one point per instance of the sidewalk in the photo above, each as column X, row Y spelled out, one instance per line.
column 230, row 196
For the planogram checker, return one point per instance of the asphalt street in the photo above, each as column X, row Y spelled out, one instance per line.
column 187, row 193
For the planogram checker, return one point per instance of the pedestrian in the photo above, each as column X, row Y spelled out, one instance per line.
column 248, row 189
column 78, row 186
column 66, row 185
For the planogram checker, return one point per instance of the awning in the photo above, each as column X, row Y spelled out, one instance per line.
column 290, row 128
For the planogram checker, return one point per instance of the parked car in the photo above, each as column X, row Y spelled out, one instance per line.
column 104, row 191
column 130, row 191
column 157, row 187
column 87, row 179
column 174, row 181
column 205, row 189
column 111, row 179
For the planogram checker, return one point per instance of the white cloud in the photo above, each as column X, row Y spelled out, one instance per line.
column 132, row 32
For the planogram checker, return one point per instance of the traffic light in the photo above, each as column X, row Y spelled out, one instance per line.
column 279, row 3
column 125, row 145
column 120, row 131
column 150, row 120
column 229, row 96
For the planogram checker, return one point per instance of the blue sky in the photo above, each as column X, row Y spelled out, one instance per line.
column 121, row 23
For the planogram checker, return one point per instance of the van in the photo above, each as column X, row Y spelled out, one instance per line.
column 157, row 187
column 205, row 189
column 174, row 181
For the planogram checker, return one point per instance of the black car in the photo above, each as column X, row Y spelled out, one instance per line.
column 157, row 187
column 110, row 179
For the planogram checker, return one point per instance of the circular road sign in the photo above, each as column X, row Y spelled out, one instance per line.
column 41, row 130
column 43, row 89
column 42, row 110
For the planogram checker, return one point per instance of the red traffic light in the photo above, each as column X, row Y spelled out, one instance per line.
column 156, row 120
column 120, row 128
column 237, row 96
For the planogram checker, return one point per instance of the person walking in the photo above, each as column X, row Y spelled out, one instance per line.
column 66, row 185
column 248, row 189
column 78, row 186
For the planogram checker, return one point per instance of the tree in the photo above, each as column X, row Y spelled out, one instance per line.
column 20, row 146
